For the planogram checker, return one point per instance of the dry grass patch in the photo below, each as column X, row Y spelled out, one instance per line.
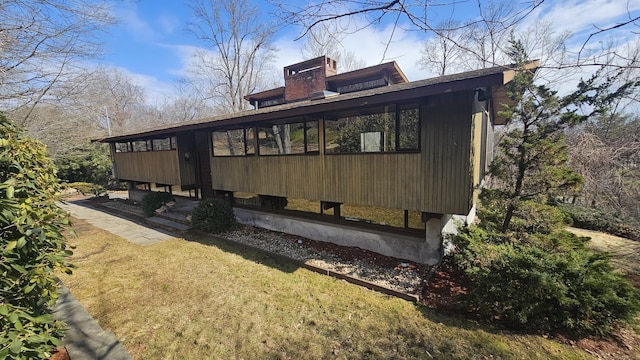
column 205, row 299
column 625, row 252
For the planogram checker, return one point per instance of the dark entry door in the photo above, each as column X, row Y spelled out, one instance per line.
column 206, row 187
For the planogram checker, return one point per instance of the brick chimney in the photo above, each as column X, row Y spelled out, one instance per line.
column 303, row 79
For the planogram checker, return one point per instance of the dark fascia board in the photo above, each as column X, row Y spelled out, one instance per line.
column 372, row 71
column 496, row 76
column 267, row 94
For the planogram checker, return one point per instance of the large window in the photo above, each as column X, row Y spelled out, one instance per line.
column 162, row 144
column 380, row 129
column 123, row 147
column 289, row 138
column 236, row 142
column 141, row 145
column 409, row 127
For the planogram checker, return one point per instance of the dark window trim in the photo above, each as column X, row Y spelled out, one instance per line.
column 398, row 107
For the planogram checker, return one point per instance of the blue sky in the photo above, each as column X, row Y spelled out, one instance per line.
column 150, row 43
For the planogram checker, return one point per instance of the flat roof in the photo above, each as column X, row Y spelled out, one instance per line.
column 391, row 68
column 494, row 77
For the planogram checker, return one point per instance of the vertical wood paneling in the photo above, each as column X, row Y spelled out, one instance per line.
column 439, row 179
column 368, row 179
column 150, row 166
column 446, row 135
column 187, row 166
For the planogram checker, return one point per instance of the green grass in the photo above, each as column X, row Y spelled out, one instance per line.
column 205, row 299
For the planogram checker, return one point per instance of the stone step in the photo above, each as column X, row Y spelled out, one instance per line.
column 177, row 216
column 167, row 224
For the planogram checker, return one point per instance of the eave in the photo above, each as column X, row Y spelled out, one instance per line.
column 494, row 78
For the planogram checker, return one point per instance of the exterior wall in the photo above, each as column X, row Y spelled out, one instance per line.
column 389, row 180
column 426, row 250
column 438, row 179
column 187, row 159
column 148, row 166
column 446, row 147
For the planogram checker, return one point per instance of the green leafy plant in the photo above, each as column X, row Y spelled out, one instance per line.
column 154, row 200
column 86, row 188
column 547, row 284
column 32, row 247
column 89, row 164
column 213, row 216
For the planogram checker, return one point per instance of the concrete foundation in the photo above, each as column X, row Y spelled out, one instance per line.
column 426, row 250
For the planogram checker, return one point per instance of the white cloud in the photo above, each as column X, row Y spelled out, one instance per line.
column 168, row 23
column 138, row 27
column 155, row 90
column 370, row 45
column 582, row 17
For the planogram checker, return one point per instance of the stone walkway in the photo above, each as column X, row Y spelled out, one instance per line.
column 85, row 339
column 126, row 229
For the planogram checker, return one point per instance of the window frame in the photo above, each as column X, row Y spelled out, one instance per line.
column 398, row 107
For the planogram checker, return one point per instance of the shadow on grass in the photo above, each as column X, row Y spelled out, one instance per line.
column 248, row 252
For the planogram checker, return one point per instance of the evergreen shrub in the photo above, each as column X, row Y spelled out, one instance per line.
column 32, row 247
column 213, row 216
column 154, row 200
column 548, row 283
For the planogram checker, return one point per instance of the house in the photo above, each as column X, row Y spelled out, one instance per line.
column 367, row 139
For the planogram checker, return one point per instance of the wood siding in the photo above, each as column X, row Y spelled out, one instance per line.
column 149, row 166
column 439, row 179
column 446, row 151
column 390, row 180
column 187, row 159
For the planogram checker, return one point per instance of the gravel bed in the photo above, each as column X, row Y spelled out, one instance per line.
column 392, row 273
column 405, row 277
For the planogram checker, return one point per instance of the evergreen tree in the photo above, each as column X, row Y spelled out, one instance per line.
column 532, row 157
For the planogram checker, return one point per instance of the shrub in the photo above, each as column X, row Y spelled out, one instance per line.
column 90, row 163
column 86, row 188
column 213, row 216
column 595, row 219
column 154, row 200
column 563, row 288
column 31, row 249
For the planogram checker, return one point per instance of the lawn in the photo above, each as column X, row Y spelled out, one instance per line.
column 205, row 299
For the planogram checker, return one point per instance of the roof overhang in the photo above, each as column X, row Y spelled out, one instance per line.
column 494, row 78
column 390, row 69
column 499, row 92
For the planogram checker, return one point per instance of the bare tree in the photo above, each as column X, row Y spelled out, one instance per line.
column 444, row 54
column 110, row 95
column 239, row 53
column 185, row 104
column 41, row 45
column 326, row 39
column 484, row 24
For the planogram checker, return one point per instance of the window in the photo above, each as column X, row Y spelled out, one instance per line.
column 161, row 144
column 289, row 138
column 123, row 147
column 236, row 142
column 360, row 131
column 409, row 127
column 141, row 145
column 381, row 129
